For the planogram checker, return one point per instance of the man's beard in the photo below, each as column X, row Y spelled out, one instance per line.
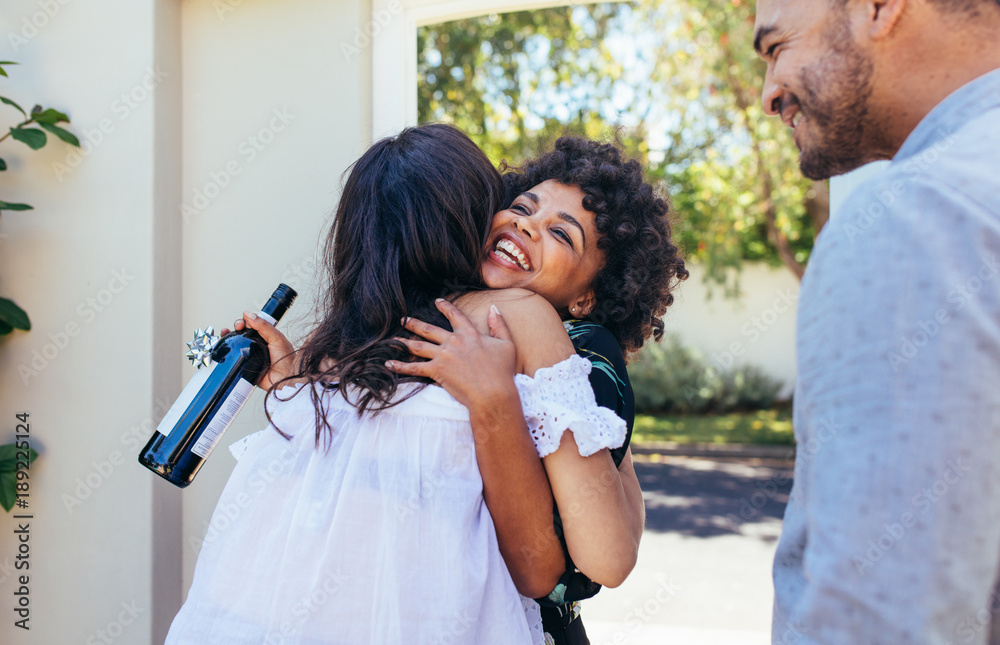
column 835, row 102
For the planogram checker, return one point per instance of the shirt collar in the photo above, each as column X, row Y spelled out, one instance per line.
column 948, row 116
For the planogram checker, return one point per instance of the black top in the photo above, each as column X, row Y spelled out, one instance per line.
column 612, row 390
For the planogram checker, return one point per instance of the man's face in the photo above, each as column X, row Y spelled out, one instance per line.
column 819, row 82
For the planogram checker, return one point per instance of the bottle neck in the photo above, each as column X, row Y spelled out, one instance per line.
column 277, row 304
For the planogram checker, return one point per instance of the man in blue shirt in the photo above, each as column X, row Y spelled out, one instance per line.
column 892, row 533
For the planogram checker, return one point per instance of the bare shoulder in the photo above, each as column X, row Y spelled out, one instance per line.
column 535, row 326
column 519, row 307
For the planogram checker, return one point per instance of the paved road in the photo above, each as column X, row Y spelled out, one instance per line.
column 704, row 570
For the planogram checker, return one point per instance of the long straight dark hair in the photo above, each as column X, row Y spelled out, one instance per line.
column 411, row 227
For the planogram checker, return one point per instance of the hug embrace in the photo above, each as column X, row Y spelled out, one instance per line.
column 453, row 436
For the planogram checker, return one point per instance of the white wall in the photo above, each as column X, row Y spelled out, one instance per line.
column 756, row 329
column 275, row 73
column 217, row 76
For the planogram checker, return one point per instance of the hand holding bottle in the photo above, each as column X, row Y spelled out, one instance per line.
column 257, row 354
column 279, row 347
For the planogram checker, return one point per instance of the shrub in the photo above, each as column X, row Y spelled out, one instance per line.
column 669, row 377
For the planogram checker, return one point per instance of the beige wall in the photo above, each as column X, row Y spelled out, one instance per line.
column 758, row 328
column 201, row 82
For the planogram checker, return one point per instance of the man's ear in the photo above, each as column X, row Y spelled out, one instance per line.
column 582, row 306
column 882, row 16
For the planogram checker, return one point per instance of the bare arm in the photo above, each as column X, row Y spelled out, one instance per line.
column 478, row 371
column 601, row 506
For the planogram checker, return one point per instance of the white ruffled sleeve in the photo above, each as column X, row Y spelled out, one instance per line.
column 559, row 398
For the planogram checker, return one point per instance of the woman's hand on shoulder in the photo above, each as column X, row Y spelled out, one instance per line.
column 535, row 328
column 475, row 368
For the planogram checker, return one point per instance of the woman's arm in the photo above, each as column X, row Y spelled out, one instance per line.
column 601, row 505
column 478, row 371
column 601, row 509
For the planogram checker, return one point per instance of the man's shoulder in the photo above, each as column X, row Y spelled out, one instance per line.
column 957, row 195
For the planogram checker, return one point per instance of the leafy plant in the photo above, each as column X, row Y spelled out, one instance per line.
column 669, row 377
column 31, row 131
column 8, row 473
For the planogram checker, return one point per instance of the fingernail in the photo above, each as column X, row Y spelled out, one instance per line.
column 439, row 300
column 494, row 309
column 251, row 315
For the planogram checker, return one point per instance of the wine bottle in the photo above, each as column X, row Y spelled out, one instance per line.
column 194, row 424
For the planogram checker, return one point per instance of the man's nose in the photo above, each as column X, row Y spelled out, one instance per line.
column 771, row 96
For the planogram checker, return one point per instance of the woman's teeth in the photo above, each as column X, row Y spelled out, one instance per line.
column 509, row 249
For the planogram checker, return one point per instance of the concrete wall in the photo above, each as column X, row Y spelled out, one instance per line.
column 758, row 328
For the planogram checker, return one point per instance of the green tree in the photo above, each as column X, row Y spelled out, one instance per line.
column 30, row 130
column 677, row 82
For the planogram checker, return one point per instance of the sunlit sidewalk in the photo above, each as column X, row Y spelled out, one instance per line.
column 703, row 576
column 620, row 634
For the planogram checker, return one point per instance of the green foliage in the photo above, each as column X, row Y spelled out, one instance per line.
column 8, row 473
column 677, row 82
column 758, row 427
column 47, row 120
column 669, row 377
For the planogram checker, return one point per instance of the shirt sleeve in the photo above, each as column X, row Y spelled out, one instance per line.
column 608, row 376
column 892, row 534
column 559, row 399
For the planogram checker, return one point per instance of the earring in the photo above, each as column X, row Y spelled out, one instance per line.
column 573, row 309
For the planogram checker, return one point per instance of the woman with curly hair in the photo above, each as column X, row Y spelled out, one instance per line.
column 585, row 231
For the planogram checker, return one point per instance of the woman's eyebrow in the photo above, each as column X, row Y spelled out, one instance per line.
column 566, row 217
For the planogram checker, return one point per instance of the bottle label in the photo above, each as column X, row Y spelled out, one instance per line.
column 223, row 418
column 184, row 400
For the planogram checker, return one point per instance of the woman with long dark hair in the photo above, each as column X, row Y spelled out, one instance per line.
column 358, row 517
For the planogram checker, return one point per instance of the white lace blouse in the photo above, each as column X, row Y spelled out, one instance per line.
column 383, row 539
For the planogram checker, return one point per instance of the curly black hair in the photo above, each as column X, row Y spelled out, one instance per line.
column 642, row 265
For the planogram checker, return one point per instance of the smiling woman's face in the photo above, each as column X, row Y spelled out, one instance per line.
column 546, row 242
